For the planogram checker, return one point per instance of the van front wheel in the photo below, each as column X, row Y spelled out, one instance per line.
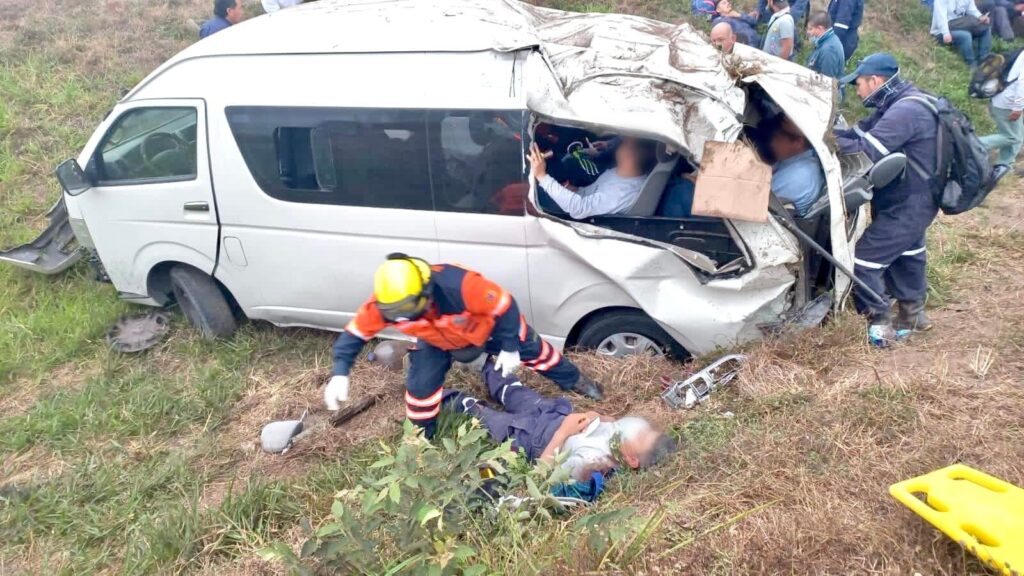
column 202, row 302
column 628, row 333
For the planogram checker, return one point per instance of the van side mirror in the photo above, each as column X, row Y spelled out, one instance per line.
column 72, row 178
column 887, row 170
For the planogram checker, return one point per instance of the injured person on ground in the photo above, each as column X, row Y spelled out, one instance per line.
column 615, row 191
column 545, row 428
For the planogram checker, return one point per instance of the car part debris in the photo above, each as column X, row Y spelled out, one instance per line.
column 140, row 332
column 697, row 388
column 276, row 437
column 54, row 251
column 352, row 410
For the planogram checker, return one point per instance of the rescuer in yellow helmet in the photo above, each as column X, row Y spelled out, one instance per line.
column 454, row 313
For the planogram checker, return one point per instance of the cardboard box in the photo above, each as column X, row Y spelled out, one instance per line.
column 732, row 183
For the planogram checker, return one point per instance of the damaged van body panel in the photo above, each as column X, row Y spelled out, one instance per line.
column 701, row 315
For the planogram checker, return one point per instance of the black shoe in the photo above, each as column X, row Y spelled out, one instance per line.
column 911, row 317
column 585, row 386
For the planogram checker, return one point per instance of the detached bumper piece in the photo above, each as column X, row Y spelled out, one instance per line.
column 697, row 388
column 54, row 251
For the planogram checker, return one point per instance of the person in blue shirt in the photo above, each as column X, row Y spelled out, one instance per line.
column 225, row 13
column 743, row 26
column 797, row 177
column 828, row 57
column 846, row 17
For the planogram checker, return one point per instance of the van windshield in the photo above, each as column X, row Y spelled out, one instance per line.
column 137, row 125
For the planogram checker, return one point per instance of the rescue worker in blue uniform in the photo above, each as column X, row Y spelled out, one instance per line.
column 846, row 18
column 455, row 314
column 890, row 257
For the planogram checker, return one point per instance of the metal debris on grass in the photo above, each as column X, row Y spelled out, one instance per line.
column 140, row 332
column 277, row 437
column 697, row 388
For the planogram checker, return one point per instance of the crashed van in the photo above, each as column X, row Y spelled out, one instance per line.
column 267, row 170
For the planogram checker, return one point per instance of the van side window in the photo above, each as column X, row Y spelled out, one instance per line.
column 477, row 158
column 148, row 144
column 345, row 156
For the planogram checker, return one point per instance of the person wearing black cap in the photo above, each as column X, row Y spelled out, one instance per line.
column 890, row 257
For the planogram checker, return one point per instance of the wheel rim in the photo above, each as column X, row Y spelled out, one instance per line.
column 623, row 344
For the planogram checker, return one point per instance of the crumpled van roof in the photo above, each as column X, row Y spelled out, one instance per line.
column 624, row 73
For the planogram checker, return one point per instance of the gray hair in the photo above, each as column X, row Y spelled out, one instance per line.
column 664, row 447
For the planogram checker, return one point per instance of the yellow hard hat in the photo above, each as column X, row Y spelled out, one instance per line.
column 400, row 278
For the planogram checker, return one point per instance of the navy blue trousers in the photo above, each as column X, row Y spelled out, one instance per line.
column 891, row 258
column 528, row 418
column 428, row 366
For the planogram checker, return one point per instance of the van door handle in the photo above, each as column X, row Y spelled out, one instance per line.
column 197, row 206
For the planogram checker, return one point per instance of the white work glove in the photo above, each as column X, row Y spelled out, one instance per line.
column 507, row 362
column 336, row 391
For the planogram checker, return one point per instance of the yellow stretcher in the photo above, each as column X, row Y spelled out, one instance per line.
column 982, row 513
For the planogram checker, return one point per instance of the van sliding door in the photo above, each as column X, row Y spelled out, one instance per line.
column 476, row 159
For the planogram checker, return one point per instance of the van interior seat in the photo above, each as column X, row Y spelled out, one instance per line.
column 654, row 185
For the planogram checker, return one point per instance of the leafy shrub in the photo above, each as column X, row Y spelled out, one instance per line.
column 423, row 508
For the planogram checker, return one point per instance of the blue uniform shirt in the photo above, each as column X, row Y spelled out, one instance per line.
column 212, row 26
column 798, row 180
column 828, row 57
column 898, row 125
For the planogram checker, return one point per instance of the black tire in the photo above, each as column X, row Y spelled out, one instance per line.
column 202, row 302
column 599, row 329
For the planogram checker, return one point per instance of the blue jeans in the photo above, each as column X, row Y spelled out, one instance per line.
column 973, row 49
column 1008, row 137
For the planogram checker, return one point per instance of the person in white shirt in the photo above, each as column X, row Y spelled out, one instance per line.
column 1006, row 109
column 614, row 192
column 547, row 429
column 275, row 5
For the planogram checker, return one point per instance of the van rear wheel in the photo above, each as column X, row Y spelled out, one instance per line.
column 628, row 333
column 202, row 302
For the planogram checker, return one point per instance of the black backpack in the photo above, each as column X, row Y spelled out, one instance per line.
column 965, row 174
column 992, row 75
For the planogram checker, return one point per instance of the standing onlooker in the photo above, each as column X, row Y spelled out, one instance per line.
column 781, row 34
column 1006, row 109
column 846, row 17
column 959, row 23
column 225, row 13
column 890, row 257
column 828, row 57
column 275, row 5
column 723, row 37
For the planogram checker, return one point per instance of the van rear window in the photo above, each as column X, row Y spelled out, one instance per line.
column 459, row 161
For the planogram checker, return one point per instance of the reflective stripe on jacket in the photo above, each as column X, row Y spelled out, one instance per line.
column 466, row 310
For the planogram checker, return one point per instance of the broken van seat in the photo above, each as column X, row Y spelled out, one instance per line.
column 654, row 186
column 708, row 236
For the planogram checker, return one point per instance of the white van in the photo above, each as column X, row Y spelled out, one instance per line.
column 269, row 169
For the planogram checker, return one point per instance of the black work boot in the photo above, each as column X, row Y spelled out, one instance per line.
column 586, row 386
column 912, row 318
